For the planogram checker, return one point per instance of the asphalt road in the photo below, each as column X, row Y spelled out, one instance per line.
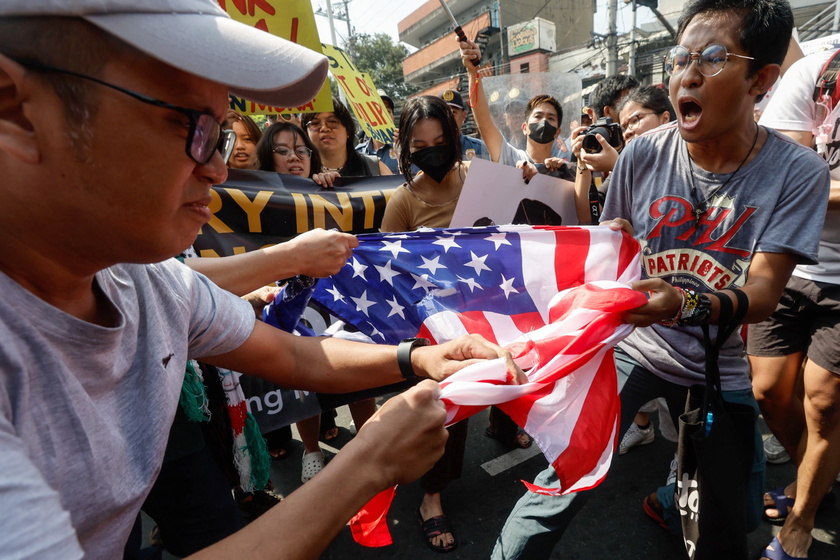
column 611, row 525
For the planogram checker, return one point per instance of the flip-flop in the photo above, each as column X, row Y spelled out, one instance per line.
column 434, row 526
column 774, row 551
column 489, row 432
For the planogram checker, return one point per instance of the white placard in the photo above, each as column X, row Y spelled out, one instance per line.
column 498, row 193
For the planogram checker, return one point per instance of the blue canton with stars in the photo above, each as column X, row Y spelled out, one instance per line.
column 393, row 282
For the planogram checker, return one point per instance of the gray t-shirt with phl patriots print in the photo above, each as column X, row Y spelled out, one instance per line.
column 774, row 204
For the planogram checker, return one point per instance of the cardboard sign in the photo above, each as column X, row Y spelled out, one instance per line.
column 497, row 194
column 361, row 95
column 292, row 20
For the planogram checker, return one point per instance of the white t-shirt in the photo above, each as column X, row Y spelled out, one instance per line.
column 85, row 410
column 792, row 108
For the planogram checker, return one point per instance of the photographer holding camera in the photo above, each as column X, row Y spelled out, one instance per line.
column 596, row 147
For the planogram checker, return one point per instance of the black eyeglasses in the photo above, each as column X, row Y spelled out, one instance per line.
column 205, row 135
column 710, row 61
column 301, row 152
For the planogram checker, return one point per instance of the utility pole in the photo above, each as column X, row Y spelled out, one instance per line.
column 329, row 15
column 633, row 43
column 349, row 28
column 612, row 38
column 341, row 16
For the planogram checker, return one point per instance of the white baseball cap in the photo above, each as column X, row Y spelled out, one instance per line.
column 198, row 37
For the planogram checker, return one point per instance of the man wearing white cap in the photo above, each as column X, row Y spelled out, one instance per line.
column 109, row 143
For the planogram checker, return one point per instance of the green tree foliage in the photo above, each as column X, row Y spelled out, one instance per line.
column 382, row 59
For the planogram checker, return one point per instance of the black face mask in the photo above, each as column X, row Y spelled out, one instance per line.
column 434, row 161
column 542, row 132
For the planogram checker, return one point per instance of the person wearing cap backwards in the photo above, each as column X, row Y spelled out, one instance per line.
column 385, row 152
column 472, row 147
column 110, row 115
column 542, row 126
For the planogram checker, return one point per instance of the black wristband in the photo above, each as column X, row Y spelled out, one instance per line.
column 404, row 355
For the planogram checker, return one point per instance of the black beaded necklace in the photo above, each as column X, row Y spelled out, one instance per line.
column 702, row 206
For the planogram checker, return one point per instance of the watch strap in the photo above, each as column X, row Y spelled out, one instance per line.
column 404, row 355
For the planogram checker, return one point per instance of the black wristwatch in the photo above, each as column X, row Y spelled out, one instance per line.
column 404, row 355
column 697, row 310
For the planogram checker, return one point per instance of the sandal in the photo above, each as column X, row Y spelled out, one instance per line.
column 520, row 441
column 329, row 434
column 433, row 527
column 783, row 503
column 279, row 453
column 653, row 509
column 774, row 551
column 254, row 504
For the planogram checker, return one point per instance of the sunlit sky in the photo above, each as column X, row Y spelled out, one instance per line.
column 375, row 16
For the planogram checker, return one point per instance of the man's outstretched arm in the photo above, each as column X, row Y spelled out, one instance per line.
column 397, row 445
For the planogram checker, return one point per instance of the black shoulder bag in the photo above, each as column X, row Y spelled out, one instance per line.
column 715, row 455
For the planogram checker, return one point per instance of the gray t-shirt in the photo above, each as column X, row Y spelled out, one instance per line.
column 761, row 210
column 511, row 155
column 85, row 410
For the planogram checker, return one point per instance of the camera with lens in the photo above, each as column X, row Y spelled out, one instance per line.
column 606, row 128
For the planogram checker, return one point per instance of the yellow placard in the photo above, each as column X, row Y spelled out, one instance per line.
column 292, row 20
column 361, row 95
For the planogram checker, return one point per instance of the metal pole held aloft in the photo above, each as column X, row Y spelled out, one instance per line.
column 458, row 31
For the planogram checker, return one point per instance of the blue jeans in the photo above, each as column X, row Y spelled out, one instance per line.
column 537, row 522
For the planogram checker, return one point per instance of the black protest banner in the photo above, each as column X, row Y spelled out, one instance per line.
column 253, row 209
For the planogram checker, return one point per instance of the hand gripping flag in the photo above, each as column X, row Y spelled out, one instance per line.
column 553, row 296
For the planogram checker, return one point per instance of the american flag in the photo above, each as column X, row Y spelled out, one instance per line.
column 395, row 282
column 552, row 295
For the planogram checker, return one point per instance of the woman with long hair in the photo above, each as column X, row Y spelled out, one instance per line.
column 334, row 136
column 244, row 155
column 430, row 140
column 286, row 148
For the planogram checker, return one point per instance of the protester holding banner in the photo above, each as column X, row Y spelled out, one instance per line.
column 334, row 135
column 97, row 321
column 285, row 148
column 244, row 154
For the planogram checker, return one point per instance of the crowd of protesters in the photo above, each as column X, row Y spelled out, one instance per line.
column 688, row 165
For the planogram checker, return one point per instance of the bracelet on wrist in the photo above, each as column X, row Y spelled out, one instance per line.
column 697, row 309
column 676, row 318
